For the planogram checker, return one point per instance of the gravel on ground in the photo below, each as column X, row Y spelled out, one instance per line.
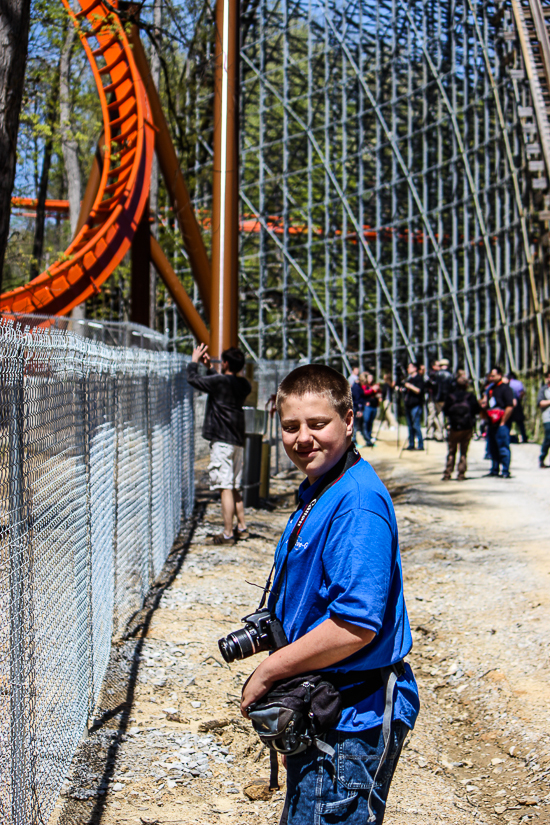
column 168, row 744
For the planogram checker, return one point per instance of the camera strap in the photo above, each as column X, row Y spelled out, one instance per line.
column 349, row 459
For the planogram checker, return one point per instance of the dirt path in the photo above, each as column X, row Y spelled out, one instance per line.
column 476, row 563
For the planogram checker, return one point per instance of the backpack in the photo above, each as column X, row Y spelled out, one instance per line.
column 459, row 412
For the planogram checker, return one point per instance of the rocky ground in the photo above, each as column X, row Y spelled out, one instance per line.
column 169, row 746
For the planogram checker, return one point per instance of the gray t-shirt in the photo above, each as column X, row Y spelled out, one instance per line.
column 544, row 395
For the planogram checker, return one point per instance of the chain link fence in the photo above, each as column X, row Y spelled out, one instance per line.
column 96, row 469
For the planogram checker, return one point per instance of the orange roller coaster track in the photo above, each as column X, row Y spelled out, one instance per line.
column 129, row 137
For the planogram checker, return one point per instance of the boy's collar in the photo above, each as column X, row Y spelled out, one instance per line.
column 307, row 491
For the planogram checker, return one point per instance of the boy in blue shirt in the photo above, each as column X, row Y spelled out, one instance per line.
column 339, row 595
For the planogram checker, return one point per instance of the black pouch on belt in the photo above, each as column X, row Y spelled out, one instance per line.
column 295, row 712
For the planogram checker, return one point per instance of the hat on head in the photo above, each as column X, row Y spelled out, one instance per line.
column 443, row 362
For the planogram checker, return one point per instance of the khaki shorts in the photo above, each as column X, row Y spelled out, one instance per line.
column 226, row 466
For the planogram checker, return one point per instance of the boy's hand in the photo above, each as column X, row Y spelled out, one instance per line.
column 331, row 641
column 256, row 686
column 200, row 353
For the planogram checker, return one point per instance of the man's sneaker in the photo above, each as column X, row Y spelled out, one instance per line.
column 542, row 465
column 241, row 535
column 221, row 538
column 505, row 475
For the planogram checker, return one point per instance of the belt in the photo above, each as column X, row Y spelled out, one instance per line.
column 357, row 685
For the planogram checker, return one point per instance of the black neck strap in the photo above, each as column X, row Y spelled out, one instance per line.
column 349, row 459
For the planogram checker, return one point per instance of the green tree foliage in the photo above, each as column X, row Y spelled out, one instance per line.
column 39, row 135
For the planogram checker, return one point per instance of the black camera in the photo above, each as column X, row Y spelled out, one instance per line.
column 262, row 631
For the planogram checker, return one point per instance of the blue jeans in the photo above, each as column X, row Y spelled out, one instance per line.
column 414, row 415
column 546, row 443
column 317, row 794
column 499, row 447
column 369, row 415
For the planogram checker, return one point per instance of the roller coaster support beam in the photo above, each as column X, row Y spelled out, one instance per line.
column 173, row 178
column 92, row 187
column 225, row 202
column 141, row 272
column 179, row 295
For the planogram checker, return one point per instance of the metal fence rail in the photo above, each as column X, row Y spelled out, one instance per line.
column 96, row 468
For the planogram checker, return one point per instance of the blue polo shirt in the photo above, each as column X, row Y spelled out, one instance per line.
column 346, row 563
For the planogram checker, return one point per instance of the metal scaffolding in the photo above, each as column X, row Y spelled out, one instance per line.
column 392, row 202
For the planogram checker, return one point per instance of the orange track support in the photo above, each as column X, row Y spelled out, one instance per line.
column 104, row 239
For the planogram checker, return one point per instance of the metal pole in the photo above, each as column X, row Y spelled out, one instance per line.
column 178, row 293
column 225, row 218
column 140, row 276
column 17, row 562
column 173, row 178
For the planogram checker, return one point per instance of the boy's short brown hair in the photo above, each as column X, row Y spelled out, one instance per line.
column 317, row 379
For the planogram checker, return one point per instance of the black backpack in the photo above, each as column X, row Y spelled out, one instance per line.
column 459, row 412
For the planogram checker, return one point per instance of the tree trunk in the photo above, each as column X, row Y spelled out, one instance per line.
column 38, row 245
column 14, row 33
column 154, row 190
column 69, row 145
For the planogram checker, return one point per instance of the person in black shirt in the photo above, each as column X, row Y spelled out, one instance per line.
column 460, row 408
column 414, row 402
column 224, row 428
column 498, row 405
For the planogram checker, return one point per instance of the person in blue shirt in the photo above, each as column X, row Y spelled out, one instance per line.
column 339, row 595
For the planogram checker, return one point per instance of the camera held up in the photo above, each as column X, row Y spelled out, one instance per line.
column 262, row 631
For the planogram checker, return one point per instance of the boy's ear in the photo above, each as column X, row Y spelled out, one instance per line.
column 349, row 422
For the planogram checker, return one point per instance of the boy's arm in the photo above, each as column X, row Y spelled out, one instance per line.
column 325, row 645
column 204, row 383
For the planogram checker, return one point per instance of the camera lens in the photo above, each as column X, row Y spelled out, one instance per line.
column 237, row 645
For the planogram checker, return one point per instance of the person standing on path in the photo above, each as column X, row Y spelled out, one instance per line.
column 371, row 392
column 354, row 376
column 443, row 383
column 358, row 397
column 543, row 403
column 498, row 405
column 414, row 402
column 387, row 389
column 224, row 428
column 460, row 408
column 338, row 592
column 434, row 425
column 518, row 416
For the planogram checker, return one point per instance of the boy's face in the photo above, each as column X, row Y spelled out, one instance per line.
column 314, row 435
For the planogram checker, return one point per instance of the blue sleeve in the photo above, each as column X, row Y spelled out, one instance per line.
column 357, row 562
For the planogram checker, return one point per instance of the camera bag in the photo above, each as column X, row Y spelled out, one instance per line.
column 295, row 712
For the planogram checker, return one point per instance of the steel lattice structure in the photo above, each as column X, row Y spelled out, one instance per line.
column 393, row 182
column 384, row 164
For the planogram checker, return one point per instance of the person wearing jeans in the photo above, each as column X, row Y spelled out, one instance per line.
column 543, row 403
column 414, row 402
column 371, row 392
column 498, row 406
column 499, row 449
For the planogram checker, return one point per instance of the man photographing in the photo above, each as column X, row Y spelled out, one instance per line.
column 224, row 428
column 338, row 593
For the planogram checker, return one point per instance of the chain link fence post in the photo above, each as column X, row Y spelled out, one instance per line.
column 18, row 560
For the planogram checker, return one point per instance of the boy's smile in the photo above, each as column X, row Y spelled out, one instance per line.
column 314, row 435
